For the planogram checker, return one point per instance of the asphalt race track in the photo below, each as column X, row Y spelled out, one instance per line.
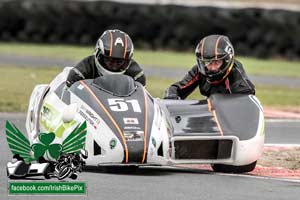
column 172, row 183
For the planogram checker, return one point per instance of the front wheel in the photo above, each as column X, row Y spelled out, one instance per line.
column 233, row 169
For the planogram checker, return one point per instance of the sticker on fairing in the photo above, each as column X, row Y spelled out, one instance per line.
column 131, row 121
column 51, row 120
column 134, row 135
column 80, row 87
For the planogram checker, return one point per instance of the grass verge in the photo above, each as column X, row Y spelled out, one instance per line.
column 167, row 59
column 17, row 84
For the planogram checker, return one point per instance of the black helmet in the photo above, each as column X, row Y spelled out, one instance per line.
column 113, row 52
column 215, row 47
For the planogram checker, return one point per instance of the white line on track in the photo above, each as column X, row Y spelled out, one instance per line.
column 281, row 145
column 260, row 177
column 282, row 120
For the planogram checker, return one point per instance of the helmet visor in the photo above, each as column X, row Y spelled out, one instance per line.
column 114, row 64
column 212, row 66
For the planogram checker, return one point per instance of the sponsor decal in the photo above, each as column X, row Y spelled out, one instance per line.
column 132, row 128
column 86, row 118
column 45, row 111
column 153, row 142
column 89, row 116
column 80, row 87
column 51, row 120
column 130, row 120
column 113, row 143
column 134, row 135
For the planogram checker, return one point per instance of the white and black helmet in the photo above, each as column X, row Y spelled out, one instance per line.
column 215, row 47
column 113, row 52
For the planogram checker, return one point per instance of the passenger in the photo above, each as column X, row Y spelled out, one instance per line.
column 216, row 71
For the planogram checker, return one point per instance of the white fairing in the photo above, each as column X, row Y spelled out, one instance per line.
column 99, row 132
column 249, row 151
column 48, row 113
column 36, row 101
column 32, row 119
column 243, row 152
column 60, row 78
column 160, row 134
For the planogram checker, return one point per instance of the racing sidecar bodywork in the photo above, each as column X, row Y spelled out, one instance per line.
column 127, row 126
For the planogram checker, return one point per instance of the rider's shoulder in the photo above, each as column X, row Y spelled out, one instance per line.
column 89, row 59
column 86, row 62
column 237, row 64
column 134, row 66
column 238, row 68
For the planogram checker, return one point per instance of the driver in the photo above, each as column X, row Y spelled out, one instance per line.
column 216, row 71
column 113, row 55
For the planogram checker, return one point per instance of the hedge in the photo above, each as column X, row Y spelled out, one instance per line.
column 253, row 31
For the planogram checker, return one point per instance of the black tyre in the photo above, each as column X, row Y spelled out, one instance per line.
column 64, row 173
column 48, row 172
column 119, row 169
column 233, row 169
column 74, row 176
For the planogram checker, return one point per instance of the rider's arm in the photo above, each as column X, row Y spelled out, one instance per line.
column 241, row 83
column 136, row 72
column 81, row 71
column 183, row 88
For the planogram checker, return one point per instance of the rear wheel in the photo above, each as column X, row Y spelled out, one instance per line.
column 119, row 169
column 64, row 172
column 48, row 172
column 74, row 176
column 233, row 169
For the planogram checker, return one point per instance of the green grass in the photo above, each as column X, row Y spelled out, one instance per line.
column 271, row 67
column 278, row 96
column 271, row 96
column 48, row 51
column 168, row 59
column 17, row 84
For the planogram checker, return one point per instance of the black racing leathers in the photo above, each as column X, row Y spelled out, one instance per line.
column 236, row 82
column 86, row 69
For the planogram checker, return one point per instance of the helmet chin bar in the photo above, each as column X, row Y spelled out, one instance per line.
column 219, row 76
column 104, row 71
column 223, row 78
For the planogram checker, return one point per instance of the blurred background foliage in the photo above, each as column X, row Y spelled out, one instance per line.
column 255, row 32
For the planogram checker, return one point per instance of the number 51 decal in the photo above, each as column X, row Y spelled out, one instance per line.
column 121, row 105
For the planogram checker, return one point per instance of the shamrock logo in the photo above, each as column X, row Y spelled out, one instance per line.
column 19, row 144
column 45, row 146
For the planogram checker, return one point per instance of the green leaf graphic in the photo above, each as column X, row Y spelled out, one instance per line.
column 38, row 150
column 17, row 142
column 20, row 145
column 46, row 138
column 76, row 140
column 55, row 150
